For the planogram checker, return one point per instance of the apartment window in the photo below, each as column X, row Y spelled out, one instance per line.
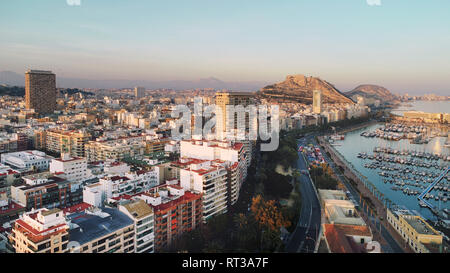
column 43, row 246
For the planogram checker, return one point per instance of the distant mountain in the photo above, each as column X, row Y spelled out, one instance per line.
column 299, row 88
column 12, row 78
column 370, row 91
column 20, row 91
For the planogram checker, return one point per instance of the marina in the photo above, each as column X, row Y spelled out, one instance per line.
column 401, row 170
column 417, row 134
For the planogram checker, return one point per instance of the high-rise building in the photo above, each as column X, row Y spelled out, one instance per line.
column 208, row 177
column 317, row 101
column 245, row 99
column 144, row 225
column 230, row 98
column 139, row 92
column 40, row 91
column 233, row 154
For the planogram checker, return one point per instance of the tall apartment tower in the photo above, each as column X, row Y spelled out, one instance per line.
column 139, row 92
column 317, row 101
column 223, row 99
column 40, row 91
column 230, row 98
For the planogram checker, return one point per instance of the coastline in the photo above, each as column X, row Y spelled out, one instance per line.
column 357, row 127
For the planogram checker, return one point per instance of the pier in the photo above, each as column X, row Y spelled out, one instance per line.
column 429, row 188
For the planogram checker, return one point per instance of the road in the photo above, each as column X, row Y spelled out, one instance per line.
column 306, row 233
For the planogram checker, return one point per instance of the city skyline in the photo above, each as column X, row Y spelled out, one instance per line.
column 398, row 44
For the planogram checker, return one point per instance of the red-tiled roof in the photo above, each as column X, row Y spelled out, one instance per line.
column 336, row 240
column 353, row 230
column 189, row 161
column 77, row 208
column 188, row 196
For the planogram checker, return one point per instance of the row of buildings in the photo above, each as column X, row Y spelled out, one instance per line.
column 205, row 181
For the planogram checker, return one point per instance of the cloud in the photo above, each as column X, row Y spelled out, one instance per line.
column 373, row 2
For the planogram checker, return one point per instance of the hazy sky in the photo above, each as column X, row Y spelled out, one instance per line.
column 403, row 45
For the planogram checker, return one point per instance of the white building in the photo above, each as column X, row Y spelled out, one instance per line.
column 93, row 194
column 74, row 169
column 207, row 177
column 112, row 186
column 116, row 167
column 233, row 156
column 27, row 160
column 172, row 147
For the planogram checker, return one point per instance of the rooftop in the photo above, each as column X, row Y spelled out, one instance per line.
column 138, row 208
column 420, row 226
column 90, row 227
column 353, row 230
column 51, row 211
column 33, row 71
column 188, row 196
column 77, row 208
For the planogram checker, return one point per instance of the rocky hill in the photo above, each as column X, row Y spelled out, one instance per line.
column 370, row 91
column 299, row 88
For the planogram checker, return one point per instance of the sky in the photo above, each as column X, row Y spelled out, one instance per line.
column 402, row 45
